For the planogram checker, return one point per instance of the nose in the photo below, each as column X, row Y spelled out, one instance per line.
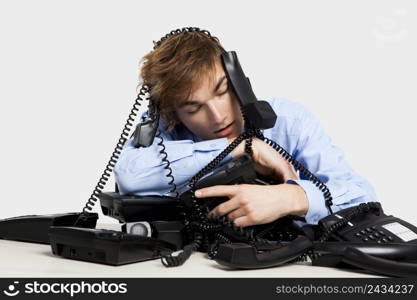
column 216, row 112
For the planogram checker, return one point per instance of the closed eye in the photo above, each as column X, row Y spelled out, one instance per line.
column 225, row 90
column 194, row 111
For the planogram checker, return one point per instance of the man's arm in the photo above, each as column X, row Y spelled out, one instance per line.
column 141, row 170
column 315, row 151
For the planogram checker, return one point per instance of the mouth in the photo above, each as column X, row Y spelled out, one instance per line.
column 225, row 130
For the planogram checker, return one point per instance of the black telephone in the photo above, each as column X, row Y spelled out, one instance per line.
column 366, row 238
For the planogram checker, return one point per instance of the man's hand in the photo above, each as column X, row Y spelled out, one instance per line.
column 267, row 161
column 251, row 204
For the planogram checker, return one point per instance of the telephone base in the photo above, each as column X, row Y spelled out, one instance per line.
column 105, row 246
column 34, row 228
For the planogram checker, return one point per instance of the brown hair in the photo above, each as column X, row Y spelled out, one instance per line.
column 176, row 67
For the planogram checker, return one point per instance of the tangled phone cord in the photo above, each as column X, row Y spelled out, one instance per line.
column 213, row 248
column 373, row 207
column 180, row 31
column 175, row 261
column 200, row 212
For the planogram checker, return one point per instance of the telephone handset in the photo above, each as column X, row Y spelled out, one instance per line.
column 364, row 237
column 259, row 113
column 146, row 131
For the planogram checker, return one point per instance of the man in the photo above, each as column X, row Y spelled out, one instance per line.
column 200, row 116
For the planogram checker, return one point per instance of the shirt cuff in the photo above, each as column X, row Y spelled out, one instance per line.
column 316, row 205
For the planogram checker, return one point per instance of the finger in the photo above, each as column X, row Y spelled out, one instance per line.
column 237, row 213
column 217, row 191
column 225, row 207
column 243, row 221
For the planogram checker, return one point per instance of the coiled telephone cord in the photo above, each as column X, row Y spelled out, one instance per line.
column 373, row 207
column 370, row 207
column 167, row 166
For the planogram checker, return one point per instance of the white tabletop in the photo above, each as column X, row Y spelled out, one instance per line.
column 19, row 259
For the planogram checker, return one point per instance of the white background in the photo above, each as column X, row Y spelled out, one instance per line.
column 69, row 70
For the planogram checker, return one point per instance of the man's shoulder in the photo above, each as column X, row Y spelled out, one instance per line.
column 286, row 108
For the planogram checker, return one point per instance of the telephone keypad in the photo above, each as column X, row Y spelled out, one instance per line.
column 372, row 234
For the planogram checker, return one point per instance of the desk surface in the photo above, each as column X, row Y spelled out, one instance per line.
column 18, row 259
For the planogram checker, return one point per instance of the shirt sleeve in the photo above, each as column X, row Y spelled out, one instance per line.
column 141, row 171
column 327, row 162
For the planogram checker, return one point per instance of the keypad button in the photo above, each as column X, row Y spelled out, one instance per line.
column 365, row 239
column 358, row 234
column 385, row 240
column 368, row 229
column 377, row 234
column 371, row 237
column 390, row 238
column 362, row 231
column 381, row 232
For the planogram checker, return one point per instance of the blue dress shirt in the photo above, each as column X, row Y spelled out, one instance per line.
column 140, row 171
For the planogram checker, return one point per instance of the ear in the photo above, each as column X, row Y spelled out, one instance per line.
column 172, row 120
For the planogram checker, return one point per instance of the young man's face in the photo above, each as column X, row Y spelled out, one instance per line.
column 212, row 111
